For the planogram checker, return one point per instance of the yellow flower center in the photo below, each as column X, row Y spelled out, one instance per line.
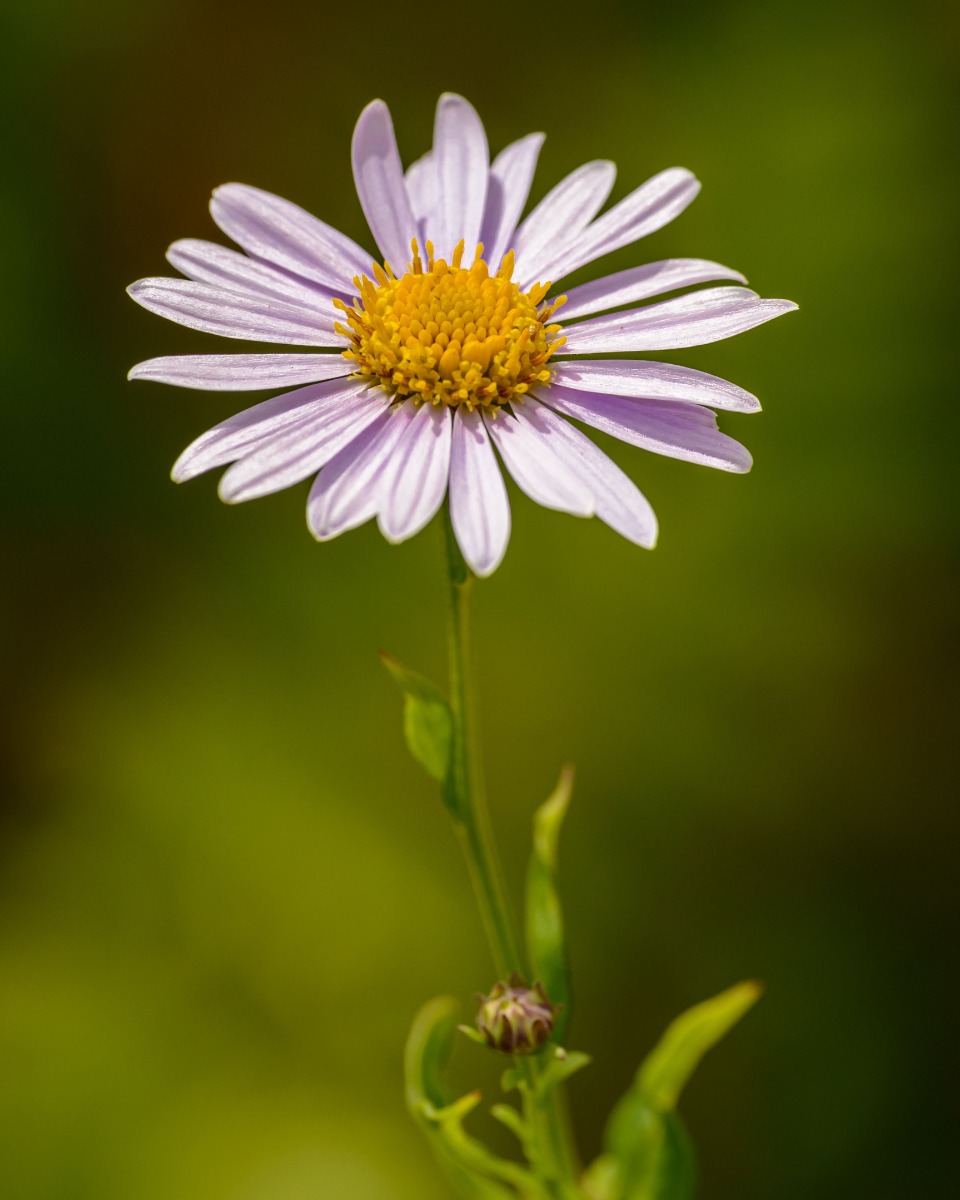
column 451, row 334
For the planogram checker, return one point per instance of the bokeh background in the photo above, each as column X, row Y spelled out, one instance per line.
column 224, row 887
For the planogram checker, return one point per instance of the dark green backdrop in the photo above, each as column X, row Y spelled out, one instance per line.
column 224, row 888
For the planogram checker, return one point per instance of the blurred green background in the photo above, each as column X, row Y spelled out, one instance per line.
column 224, row 887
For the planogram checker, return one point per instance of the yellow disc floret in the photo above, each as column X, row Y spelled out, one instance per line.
column 451, row 334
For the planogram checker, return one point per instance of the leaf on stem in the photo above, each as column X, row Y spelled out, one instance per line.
column 559, row 1068
column 673, row 1060
column 427, row 1053
column 507, row 1115
column 658, row 1163
column 648, row 1154
column 427, row 719
column 544, row 919
column 472, row 1168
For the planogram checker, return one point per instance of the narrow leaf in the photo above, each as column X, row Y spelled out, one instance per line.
column 473, row 1156
column 544, row 919
column 559, row 1068
column 648, row 1153
column 477, row 1173
column 513, row 1077
column 507, row 1115
column 427, row 720
column 427, row 1052
column 601, row 1180
column 425, row 1059
column 673, row 1060
column 677, row 1177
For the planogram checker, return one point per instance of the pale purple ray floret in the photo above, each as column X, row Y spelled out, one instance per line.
column 378, row 447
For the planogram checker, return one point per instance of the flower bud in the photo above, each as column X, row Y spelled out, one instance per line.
column 516, row 1019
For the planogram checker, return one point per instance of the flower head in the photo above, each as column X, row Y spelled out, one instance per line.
column 450, row 334
column 514, row 1018
column 455, row 345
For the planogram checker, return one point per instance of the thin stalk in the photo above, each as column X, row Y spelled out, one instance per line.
column 549, row 1127
column 472, row 811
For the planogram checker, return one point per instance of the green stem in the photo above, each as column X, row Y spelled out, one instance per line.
column 472, row 818
column 472, row 812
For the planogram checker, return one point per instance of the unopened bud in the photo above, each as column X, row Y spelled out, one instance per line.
column 514, row 1018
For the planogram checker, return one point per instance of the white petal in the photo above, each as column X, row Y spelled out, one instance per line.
column 246, row 430
column 618, row 501
column 206, row 262
column 378, row 175
column 241, row 372
column 232, row 314
column 508, row 187
column 462, row 160
column 653, row 205
column 346, row 492
column 296, row 453
column 286, row 235
column 653, row 380
column 667, row 427
column 560, row 215
column 525, row 449
column 640, row 283
column 479, row 509
column 691, row 320
column 415, row 480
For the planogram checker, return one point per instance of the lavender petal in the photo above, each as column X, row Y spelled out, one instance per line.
column 281, row 233
column 479, row 509
column 207, row 262
column 421, row 184
column 561, row 214
column 253, row 427
column 378, row 175
column 692, row 320
column 291, row 456
column 462, row 162
column 641, row 378
column 346, row 492
column 537, row 471
column 241, row 372
column 508, row 187
column 415, row 480
column 648, row 208
column 618, row 501
column 233, row 314
column 667, row 427
column 639, row 283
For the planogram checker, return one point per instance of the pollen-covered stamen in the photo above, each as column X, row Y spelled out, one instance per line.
column 450, row 334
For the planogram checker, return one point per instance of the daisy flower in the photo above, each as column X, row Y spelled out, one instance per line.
column 453, row 348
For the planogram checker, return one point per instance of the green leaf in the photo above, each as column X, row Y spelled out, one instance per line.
column 473, row 1157
column 673, row 1060
column 507, row 1115
column 677, row 1176
column 544, row 918
column 601, row 1180
column 472, row 1168
column 648, row 1153
column 512, row 1078
column 559, row 1068
column 427, row 1053
column 427, row 719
